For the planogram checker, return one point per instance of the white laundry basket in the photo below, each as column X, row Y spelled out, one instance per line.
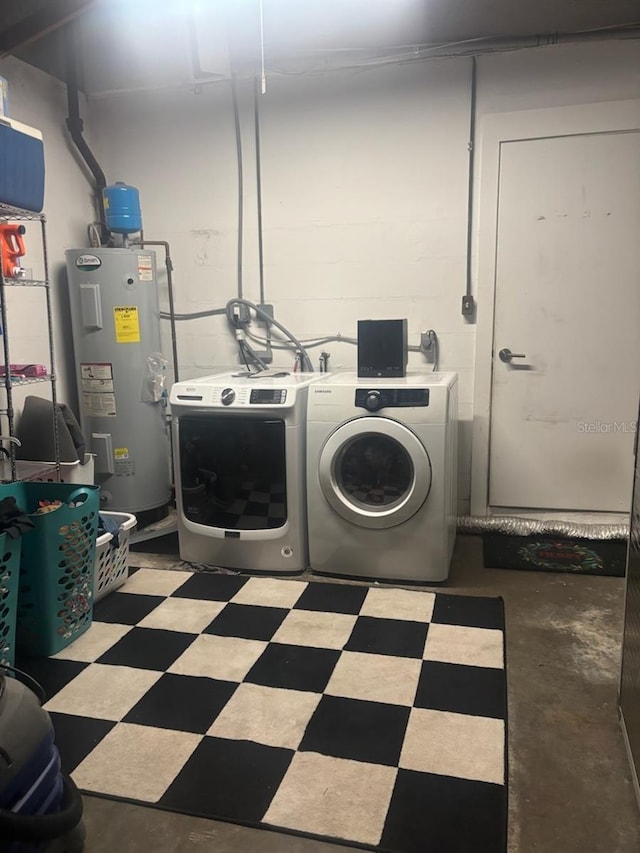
column 112, row 562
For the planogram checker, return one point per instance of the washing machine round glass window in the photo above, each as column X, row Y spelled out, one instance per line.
column 374, row 472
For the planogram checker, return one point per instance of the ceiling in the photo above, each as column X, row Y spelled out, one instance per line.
column 24, row 22
column 133, row 33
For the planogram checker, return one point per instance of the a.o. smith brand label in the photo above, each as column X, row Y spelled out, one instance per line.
column 86, row 263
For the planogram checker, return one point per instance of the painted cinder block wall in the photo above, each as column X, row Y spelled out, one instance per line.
column 364, row 182
column 364, row 178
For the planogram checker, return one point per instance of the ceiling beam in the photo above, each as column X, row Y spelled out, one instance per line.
column 49, row 17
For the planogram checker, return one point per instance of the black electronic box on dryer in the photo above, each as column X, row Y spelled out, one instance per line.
column 382, row 348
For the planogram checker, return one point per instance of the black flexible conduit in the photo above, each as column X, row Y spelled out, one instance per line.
column 76, row 126
column 236, row 122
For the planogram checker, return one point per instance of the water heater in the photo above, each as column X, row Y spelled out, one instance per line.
column 116, row 337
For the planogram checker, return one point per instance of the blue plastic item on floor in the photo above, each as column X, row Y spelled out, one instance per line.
column 45, row 794
column 40, row 808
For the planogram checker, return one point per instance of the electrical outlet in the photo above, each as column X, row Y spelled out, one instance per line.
column 265, row 355
column 241, row 314
column 428, row 345
column 426, row 341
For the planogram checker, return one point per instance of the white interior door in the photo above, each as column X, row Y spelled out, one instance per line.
column 567, row 299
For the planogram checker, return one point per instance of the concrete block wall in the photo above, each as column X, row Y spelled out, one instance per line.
column 364, row 182
column 364, row 191
column 364, row 179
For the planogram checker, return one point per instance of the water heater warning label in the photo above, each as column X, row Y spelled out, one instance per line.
column 99, row 405
column 124, row 465
column 127, row 324
column 98, row 392
column 145, row 268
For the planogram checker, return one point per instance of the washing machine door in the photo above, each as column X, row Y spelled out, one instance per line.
column 375, row 472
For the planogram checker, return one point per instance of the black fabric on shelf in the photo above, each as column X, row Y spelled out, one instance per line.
column 35, row 432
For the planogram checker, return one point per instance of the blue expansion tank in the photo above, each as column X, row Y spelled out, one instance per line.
column 122, row 208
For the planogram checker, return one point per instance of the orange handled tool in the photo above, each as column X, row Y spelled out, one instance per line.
column 12, row 248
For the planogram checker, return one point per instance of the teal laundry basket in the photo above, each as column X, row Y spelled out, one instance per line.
column 9, row 575
column 55, row 592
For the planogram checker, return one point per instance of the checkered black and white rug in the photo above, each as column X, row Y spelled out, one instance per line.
column 370, row 715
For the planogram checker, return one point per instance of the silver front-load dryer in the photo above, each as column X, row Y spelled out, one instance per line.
column 239, row 461
column 381, row 476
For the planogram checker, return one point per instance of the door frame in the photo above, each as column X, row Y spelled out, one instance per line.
column 496, row 130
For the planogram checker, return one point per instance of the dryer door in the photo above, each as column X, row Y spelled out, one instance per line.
column 375, row 472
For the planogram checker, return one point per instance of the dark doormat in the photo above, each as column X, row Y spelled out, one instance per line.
column 555, row 554
column 159, row 545
column 376, row 717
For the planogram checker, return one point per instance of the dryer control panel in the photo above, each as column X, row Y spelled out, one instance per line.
column 373, row 399
column 264, row 396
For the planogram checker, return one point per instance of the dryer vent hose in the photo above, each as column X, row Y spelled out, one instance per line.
column 529, row 527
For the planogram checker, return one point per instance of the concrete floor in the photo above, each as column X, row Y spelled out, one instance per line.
column 570, row 788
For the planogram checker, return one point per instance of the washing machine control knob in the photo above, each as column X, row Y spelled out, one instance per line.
column 373, row 401
column 228, row 396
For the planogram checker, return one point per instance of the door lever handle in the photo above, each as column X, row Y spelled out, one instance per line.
column 506, row 355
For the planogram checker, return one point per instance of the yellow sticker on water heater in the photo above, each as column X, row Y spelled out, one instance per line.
column 127, row 324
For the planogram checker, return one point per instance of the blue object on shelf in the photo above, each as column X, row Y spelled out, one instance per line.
column 21, row 165
column 122, row 209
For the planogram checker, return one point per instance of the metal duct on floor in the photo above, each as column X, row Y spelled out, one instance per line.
column 529, row 527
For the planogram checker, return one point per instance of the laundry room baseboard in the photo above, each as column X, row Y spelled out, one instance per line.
column 371, row 716
column 548, row 553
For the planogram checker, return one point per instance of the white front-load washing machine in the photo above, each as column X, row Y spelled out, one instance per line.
column 239, row 468
column 381, row 476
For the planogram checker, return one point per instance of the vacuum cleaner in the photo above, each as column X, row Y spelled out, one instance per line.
column 40, row 807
